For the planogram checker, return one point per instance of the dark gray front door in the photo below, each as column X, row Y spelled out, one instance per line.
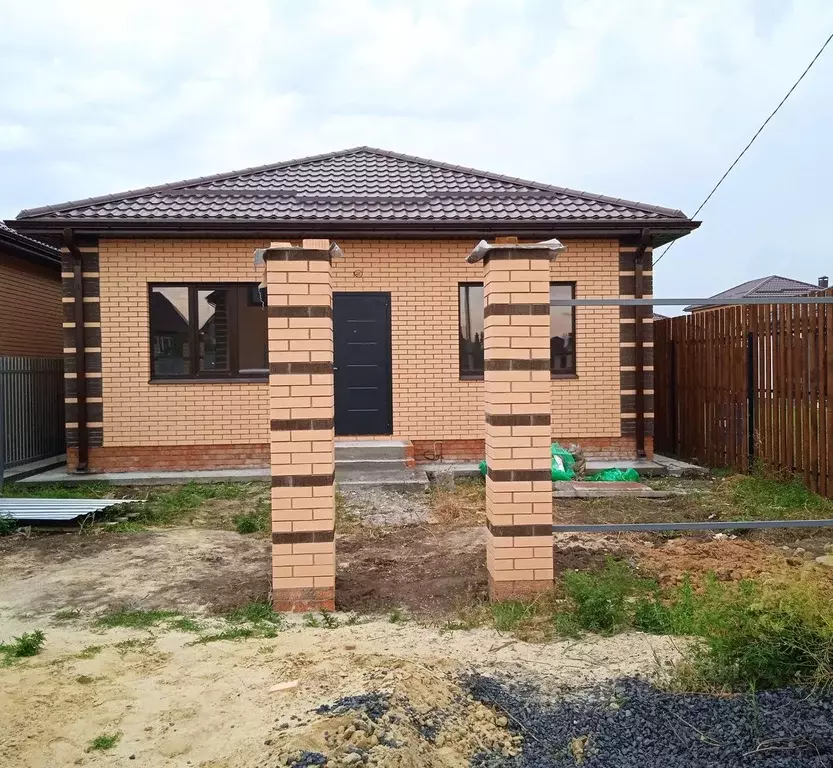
column 362, row 360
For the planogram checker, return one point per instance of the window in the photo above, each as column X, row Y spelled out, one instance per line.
column 208, row 331
column 562, row 330
column 471, row 330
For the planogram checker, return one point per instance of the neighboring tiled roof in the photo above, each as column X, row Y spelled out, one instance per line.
column 28, row 247
column 764, row 287
column 361, row 184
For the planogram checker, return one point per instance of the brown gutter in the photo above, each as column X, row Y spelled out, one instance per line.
column 80, row 358
column 662, row 230
column 639, row 350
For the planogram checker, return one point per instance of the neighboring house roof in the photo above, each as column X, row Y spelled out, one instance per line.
column 352, row 189
column 28, row 248
column 763, row 287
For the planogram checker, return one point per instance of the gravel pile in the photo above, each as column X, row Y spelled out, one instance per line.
column 632, row 723
column 406, row 717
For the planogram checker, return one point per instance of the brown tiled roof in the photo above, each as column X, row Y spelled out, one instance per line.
column 27, row 247
column 763, row 287
column 357, row 185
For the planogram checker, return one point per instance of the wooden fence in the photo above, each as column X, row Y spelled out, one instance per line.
column 739, row 385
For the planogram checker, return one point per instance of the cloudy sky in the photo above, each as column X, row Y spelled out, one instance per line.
column 642, row 99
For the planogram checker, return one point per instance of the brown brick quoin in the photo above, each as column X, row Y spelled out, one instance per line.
column 301, row 311
column 518, row 419
column 304, row 537
column 511, row 531
column 518, row 475
column 302, row 481
column 517, row 365
column 288, row 425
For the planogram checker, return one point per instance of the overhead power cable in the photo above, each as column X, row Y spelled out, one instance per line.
column 751, row 141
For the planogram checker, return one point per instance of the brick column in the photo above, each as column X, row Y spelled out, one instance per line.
column 301, row 410
column 518, row 404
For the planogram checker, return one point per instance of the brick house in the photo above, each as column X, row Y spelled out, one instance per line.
column 30, row 297
column 174, row 372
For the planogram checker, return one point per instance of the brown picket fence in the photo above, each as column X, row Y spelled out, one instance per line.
column 745, row 385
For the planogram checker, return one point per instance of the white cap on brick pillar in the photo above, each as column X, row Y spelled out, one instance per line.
column 482, row 248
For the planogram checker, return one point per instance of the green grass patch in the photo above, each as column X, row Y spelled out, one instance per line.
column 57, row 490
column 258, row 521
column 67, row 614
column 104, row 742
column 133, row 618
column 346, row 518
column 184, row 624
column 757, row 497
column 397, row 616
column 136, row 644
column 233, row 633
column 89, row 652
column 745, row 635
column 28, row 644
column 257, row 612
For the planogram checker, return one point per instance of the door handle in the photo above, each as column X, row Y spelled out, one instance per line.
column 335, row 367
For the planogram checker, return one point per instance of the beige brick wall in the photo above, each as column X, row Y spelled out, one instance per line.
column 30, row 309
column 429, row 400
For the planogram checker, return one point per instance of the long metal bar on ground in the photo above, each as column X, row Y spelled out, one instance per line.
column 685, row 302
column 704, row 526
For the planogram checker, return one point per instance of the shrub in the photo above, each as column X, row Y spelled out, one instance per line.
column 28, row 644
column 7, row 524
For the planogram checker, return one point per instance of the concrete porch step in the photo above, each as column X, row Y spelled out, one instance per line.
column 399, row 479
column 372, row 450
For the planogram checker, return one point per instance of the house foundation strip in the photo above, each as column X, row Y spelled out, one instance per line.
column 301, row 411
column 518, row 405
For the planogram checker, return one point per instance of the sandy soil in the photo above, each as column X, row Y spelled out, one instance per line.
column 176, row 703
column 181, row 569
column 211, row 706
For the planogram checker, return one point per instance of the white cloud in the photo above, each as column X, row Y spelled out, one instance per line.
column 648, row 99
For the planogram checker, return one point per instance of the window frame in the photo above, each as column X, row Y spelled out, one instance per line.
column 194, row 374
column 479, row 376
column 571, row 284
column 465, row 375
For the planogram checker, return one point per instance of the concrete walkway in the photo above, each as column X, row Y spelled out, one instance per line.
column 155, row 477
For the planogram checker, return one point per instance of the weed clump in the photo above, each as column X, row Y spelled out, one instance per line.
column 104, row 742
column 28, row 644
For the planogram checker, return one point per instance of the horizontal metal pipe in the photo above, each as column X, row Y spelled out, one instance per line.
column 685, row 302
column 705, row 526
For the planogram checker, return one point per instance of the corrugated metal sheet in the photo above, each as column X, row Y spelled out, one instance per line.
column 57, row 510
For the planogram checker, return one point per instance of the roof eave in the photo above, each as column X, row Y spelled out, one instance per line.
column 34, row 253
column 663, row 230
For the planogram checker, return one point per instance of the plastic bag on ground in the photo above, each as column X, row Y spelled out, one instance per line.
column 566, row 457
column 615, row 476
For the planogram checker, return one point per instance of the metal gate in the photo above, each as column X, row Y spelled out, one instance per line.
column 32, row 412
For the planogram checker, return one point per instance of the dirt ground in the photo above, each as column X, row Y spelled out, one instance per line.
column 175, row 702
